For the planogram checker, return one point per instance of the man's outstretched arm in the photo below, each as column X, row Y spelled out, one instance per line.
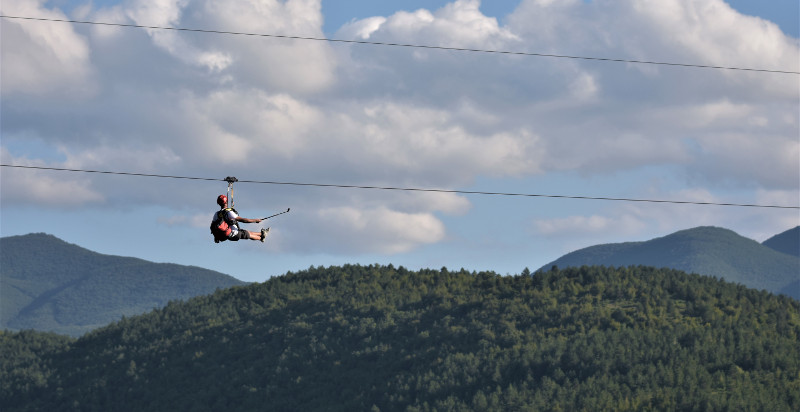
column 246, row 220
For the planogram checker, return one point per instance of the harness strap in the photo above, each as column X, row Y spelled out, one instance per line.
column 222, row 213
column 231, row 180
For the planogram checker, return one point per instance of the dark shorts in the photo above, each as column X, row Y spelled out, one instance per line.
column 242, row 234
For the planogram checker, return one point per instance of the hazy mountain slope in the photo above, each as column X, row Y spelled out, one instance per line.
column 787, row 242
column 792, row 289
column 50, row 285
column 708, row 251
column 379, row 338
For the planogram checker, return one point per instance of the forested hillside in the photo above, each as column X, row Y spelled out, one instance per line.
column 384, row 338
column 47, row 284
column 710, row 251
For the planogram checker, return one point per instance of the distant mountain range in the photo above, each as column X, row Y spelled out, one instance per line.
column 47, row 284
column 712, row 251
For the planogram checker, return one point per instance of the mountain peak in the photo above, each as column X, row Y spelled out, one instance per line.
column 787, row 242
column 51, row 285
column 706, row 250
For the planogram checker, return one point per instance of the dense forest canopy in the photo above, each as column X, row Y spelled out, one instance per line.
column 390, row 339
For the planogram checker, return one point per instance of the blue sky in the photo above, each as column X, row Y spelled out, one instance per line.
column 191, row 104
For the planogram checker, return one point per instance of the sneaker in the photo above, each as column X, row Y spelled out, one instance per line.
column 264, row 233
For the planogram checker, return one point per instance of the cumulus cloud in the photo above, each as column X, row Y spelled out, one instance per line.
column 651, row 109
column 346, row 229
column 448, row 203
column 429, row 141
column 361, row 29
column 712, row 32
column 26, row 187
column 582, row 225
column 457, row 24
column 168, row 13
column 42, row 58
column 141, row 158
column 185, row 103
column 590, row 116
column 281, row 65
column 232, row 125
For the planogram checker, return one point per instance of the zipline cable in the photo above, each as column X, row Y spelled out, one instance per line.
column 375, row 43
column 409, row 189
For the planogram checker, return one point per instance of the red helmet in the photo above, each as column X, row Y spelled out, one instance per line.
column 222, row 200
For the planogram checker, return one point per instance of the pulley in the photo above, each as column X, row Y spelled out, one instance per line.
column 231, row 180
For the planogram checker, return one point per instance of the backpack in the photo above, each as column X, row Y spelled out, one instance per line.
column 220, row 227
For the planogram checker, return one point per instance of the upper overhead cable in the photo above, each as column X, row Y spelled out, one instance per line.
column 703, row 66
column 408, row 189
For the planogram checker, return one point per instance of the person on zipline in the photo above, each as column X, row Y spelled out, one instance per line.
column 225, row 224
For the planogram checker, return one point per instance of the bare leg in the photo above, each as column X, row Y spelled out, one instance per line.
column 255, row 235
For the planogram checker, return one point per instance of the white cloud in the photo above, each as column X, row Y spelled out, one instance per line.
column 280, row 109
column 714, row 33
column 113, row 15
column 143, row 159
column 232, row 125
column 719, row 113
column 584, row 87
column 347, row 230
column 42, row 187
column 281, row 65
column 449, row 203
column 169, row 13
column 361, row 29
column 42, row 58
column 457, row 24
column 430, row 141
column 647, row 110
column 393, row 141
column 572, row 226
